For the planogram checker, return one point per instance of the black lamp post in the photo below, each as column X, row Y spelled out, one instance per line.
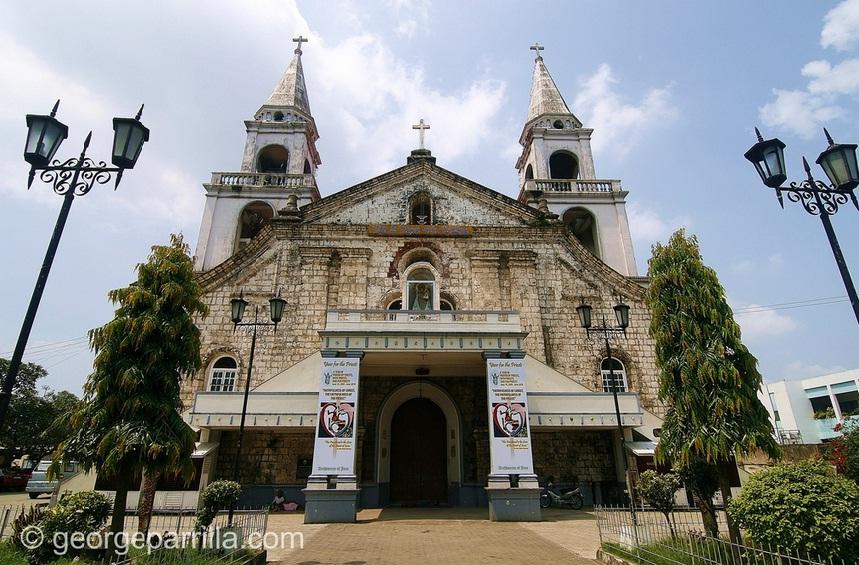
column 237, row 312
column 838, row 161
column 72, row 177
column 621, row 314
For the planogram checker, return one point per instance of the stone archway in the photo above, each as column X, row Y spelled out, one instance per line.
column 452, row 429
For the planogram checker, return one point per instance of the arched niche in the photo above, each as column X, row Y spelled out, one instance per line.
column 583, row 225
column 252, row 220
column 273, row 159
column 421, row 287
column 563, row 165
column 421, row 208
column 398, row 397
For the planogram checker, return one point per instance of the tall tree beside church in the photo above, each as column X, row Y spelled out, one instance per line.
column 708, row 379
column 128, row 421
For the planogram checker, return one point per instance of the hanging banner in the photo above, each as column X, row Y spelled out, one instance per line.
column 334, row 450
column 509, row 433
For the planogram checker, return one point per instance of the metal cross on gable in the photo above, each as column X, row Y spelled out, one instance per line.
column 536, row 48
column 299, row 40
column 421, row 126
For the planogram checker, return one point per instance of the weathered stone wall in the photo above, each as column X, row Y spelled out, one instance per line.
column 269, row 457
column 539, row 270
column 575, row 455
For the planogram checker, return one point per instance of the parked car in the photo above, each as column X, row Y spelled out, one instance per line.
column 14, row 478
column 39, row 483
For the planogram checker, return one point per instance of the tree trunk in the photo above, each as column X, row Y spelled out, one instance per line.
column 117, row 520
column 708, row 515
column 147, row 500
column 725, row 487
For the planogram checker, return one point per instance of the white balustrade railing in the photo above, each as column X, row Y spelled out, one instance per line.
column 282, row 180
column 577, row 185
column 340, row 316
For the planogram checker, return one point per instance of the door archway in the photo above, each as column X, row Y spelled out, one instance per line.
column 418, row 453
column 453, row 447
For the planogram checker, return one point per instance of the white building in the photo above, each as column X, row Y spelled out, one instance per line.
column 807, row 411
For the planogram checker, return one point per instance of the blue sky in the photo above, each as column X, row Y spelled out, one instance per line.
column 673, row 90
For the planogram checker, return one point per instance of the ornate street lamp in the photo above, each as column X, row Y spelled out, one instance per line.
column 621, row 312
column 838, row 161
column 237, row 311
column 70, row 178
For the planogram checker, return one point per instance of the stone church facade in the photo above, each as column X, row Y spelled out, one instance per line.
column 421, row 274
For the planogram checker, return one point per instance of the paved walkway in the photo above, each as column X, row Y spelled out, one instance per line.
column 441, row 535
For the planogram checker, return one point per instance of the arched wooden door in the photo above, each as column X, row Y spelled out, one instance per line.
column 418, row 453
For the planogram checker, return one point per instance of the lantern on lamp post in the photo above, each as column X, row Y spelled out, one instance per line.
column 70, row 178
column 838, row 161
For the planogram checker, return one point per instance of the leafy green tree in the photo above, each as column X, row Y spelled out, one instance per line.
column 803, row 508
column 708, row 379
column 128, row 422
column 658, row 489
column 28, row 429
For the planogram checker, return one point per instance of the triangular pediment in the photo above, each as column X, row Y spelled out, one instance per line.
column 385, row 200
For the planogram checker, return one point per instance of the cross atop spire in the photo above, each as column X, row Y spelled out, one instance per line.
column 536, row 48
column 299, row 40
column 421, row 126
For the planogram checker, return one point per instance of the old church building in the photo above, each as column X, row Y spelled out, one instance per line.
column 419, row 278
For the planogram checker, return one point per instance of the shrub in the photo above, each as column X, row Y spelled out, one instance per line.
column 83, row 512
column 801, row 507
column 24, row 520
column 215, row 497
column 658, row 491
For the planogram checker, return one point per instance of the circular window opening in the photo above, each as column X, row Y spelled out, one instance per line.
column 557, row 125
column 278, row 116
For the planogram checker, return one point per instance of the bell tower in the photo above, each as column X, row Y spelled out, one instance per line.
column 282, row 136
column 277, row 175
column 556, row 172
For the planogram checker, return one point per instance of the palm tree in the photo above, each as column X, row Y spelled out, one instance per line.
column 708, row 379
column 128, row 422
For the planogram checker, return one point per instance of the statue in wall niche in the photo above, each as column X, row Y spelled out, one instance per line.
column 422, row 297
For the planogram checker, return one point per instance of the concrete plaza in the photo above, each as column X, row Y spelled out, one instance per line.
column 441, row 535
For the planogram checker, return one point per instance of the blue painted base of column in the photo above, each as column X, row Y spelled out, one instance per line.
column 514, row 504
column 330, row 506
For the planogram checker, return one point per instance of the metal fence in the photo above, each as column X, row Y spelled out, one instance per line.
column 167, row 526
column 654, row 540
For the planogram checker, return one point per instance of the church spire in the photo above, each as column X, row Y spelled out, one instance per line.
column 545, row 96
column 291, row 91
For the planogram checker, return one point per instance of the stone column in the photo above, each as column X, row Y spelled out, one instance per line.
column 352, row 286
column 525, row 299
column 485, row 285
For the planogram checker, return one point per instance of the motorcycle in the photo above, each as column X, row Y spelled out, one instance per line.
column 569, row 497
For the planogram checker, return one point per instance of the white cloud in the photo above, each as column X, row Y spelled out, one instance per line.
column 649, row 225
column 620, row 124
column 803, row 112
column 377, row 97
column 799, row 111
column 802, row 370
column 841, row 26
column 412, row 15
column 773, row 263
column 843, row 78
column 763, row 322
